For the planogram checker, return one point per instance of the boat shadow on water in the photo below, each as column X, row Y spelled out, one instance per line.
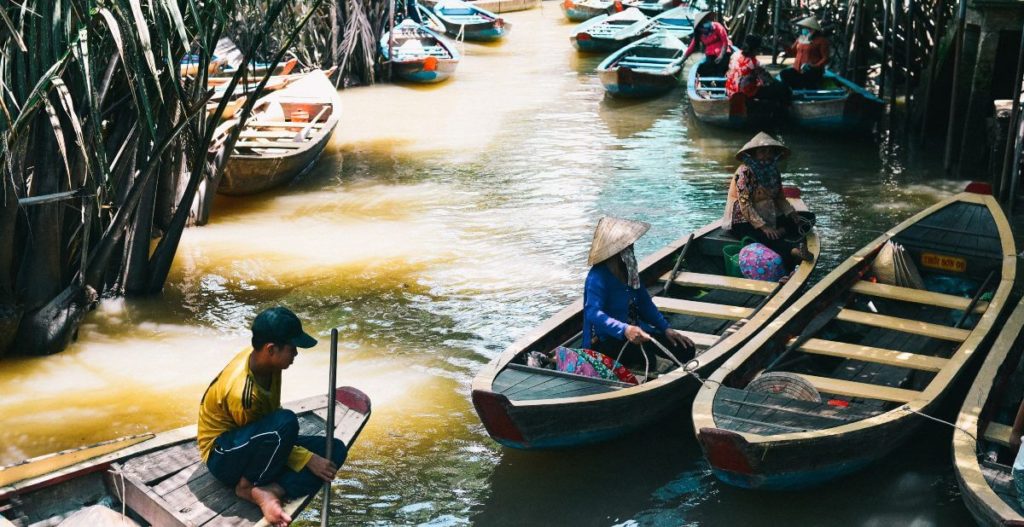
column 626, row 118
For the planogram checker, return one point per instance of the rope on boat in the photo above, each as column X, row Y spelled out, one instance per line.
column 937, row 420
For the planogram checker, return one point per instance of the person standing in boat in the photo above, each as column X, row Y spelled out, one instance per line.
column 811, row 56
column 246, row 439
column 756, row 206
column 714, row 38
column 747, row 76
column 618, row 313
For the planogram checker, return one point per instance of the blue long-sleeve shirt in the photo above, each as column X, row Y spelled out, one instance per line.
column 606, row 307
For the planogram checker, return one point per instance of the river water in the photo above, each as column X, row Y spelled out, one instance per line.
column 443, row 223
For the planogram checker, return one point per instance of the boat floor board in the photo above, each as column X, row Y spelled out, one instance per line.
column 518, row 382
column 872, row 354
column 1000, row 478
column 861, row 390
column 701, row 309
column 727, row 283
column 915, row 327
column 765, row 413
column 920, row 296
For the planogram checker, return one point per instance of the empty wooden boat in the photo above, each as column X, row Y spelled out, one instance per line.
column 420, row 54
column 529, row 407
column 158, row 479
column 982, row 455
column 677, row 22
column 646, row 68
column 838, row 104
column 611, row 32
column 837, row 381
column 650, row 7
column 579, row 11
column 494, row 6
column 283, row 138
column 466, row 21
column 710, row 105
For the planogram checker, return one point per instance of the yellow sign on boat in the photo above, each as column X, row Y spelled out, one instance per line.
column 943, row 262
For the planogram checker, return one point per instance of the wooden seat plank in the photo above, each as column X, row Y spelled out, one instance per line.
column 280, row 124
column 701, row 340
column 871, row 354
column 701, row 309
column 918, row 296
column 904, row 325
column 860, row 389
column 270, row 134
column 726, row 283
column 998, row 433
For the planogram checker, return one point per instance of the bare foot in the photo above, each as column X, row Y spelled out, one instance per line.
column 270, row 504
column 244, row 490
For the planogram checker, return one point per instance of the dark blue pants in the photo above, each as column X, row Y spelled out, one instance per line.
column 259, row 452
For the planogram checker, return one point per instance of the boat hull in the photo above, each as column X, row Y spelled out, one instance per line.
column 627, row 83
column 580, row 13
column 419, row 72
column 853, row 113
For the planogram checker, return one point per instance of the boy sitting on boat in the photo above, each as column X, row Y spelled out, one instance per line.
column 246, row 439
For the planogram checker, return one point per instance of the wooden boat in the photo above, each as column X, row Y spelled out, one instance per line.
column 982, row 455
column 650, row 7
column 710, row 105
column 534, row 408
column 277, row 144
column 611, row 32
column 585, row 9
column 494, row 6
column 259, row 69
column 646, row 68
column 881, row 353
column 189, row 65
column 677, row 22
column 838, row 104
column 229, row 110
column 159, row 479
column 421, row 55
column 466, row 21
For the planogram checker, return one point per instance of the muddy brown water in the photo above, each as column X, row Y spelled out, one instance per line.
column 442, row 223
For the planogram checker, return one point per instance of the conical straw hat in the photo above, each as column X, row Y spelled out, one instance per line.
column 612, row 236
column 810, row 22
column 762, row 140
column 699, row 17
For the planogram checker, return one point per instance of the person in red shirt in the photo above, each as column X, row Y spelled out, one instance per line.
column 747, row 76
column 715, row 40
column 811, row 53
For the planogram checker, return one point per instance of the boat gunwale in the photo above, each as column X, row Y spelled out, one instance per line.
column 703, row 413
column 485, row 379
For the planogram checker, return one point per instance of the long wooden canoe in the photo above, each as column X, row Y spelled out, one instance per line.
column 876, row 354
column 420, row 54
column 611, row 32
column 646, row 68
column 710, row 105
column 159, row 479
column 274, row 148
column 982, row 454
column 838, row 104
column 467, row 21
column 535, row 408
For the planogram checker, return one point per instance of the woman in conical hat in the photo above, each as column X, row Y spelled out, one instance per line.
column 756, row 206
column 714, row 39
column 618, row 313
column 811, row 52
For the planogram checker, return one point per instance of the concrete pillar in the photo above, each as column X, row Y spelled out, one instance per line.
column 973, row 147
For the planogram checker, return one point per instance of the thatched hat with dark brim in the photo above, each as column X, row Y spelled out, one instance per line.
column 698, row 19
column 763, row 140
column 612, row 236
column 810, row 22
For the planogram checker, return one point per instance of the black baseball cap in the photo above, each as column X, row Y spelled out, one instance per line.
column 281, row 326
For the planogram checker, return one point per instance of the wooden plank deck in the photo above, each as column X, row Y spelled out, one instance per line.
column 701, row 309
column 919, row 296
column 915, row 327
column 726, row 283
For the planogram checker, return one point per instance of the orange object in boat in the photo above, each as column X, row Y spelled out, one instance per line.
column 299, row 116
column 430, row 64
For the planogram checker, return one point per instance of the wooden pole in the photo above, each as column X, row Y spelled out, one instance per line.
column 1015, row 170
column 908, row 77
column 86, row 227
column 776, row 18
column 329, row 431
column 391, row 39
column 1011, row 135
column 885, row 49
column 933, row 65
column 961, row 28
column 335, row 41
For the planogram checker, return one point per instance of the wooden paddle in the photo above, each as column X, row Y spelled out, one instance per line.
column 974, row 301
column 675, row 268
column 329, row 430
column 812, row 328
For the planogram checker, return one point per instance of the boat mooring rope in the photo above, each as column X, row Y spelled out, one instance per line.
column 937, row 420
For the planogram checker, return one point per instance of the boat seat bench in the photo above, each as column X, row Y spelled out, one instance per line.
column 918, row 296
column 860, row 389
column 726, row 283
column 872, row 354
column 998, row 433
column 904, row 325
column 701, row 309
column 701, row 340
column 270, row 144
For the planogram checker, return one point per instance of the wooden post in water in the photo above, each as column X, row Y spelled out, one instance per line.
column 776, row 18
column 329, row 431
column 961, row 28
column 933, row 65
column 885, row 49
column 907, row 84
column 1011, row 129
column 391, row 39
column 335, row 39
